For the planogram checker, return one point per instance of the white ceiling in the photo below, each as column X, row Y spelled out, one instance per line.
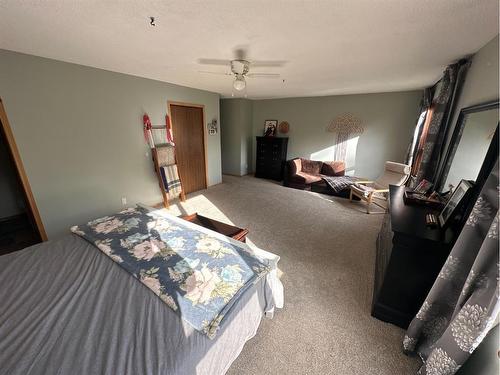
column 330, row 47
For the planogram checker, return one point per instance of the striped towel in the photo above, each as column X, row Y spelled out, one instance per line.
column 171, row 180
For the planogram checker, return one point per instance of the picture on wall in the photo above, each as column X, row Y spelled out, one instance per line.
column 270, row 127
column 212, row 127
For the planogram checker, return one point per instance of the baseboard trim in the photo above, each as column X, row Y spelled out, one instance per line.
column 237, row 175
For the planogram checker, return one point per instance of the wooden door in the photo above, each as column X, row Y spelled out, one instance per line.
column 189, row 138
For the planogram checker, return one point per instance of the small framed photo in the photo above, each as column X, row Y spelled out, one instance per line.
column 423, row 187
column 453, row 204
column 212, row 127
column 270, row 127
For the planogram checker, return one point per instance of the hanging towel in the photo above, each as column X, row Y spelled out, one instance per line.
column 171, row 180
column 165, row 155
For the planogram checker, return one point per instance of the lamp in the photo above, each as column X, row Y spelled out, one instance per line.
column 239, row 83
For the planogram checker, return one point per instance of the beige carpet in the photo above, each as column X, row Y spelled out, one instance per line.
column 327, row 249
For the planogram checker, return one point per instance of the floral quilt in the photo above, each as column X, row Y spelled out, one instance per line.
column 199, row 276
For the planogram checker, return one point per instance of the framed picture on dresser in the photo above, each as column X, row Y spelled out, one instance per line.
column 270, row 127
column 454, row 202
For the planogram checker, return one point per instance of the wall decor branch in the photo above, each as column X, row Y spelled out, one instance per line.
column 345, row 126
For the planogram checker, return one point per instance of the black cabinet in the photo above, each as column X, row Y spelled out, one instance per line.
column 409, row 258
column 271, row 157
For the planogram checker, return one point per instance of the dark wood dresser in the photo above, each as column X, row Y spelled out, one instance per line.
column 271, row 157
column 409, row 258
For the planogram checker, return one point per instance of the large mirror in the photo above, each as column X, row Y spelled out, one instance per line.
column 469, row 144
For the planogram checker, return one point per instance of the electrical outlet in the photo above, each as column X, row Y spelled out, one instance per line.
column 124, row 201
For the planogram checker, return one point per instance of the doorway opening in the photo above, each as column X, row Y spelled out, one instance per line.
column 20, row 223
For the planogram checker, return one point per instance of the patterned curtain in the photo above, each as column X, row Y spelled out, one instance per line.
column 413, row 147
column 425, row 104
column 430, row 150
column 464, row 301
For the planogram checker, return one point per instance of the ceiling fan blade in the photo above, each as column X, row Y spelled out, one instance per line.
column 214, row 62
column 263, row 75
column 217, row 73
column 268, row 64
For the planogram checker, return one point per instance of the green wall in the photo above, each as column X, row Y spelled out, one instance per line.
column 388, row 120
column 481, row 82
column 236, row 136
column 79, row 132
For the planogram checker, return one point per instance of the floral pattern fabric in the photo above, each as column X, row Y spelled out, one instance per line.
column 197, row 275
column 447, row 91
column 463, row 303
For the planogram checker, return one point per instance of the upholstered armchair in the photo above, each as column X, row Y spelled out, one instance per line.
column 303, row 173
column 369, row 191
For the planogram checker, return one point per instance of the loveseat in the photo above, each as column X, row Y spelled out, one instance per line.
column 306, row 174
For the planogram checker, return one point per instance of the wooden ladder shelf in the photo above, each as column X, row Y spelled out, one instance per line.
column 158, row 164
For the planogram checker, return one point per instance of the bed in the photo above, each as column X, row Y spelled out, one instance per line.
column 68, row 308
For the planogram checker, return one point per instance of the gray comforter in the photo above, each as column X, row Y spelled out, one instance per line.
column 66, row 308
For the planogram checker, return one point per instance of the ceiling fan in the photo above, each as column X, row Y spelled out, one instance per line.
column 240, row 68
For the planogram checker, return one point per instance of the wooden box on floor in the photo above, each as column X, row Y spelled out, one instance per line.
column 236, row 233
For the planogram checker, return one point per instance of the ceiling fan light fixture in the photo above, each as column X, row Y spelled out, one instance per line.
column 239, row 83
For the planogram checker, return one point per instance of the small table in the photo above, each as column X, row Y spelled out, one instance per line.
column 236, row 233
